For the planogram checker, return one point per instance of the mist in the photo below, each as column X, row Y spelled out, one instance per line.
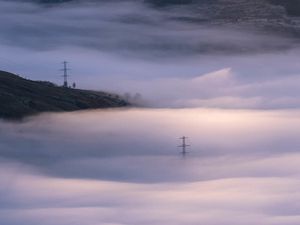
column 130, row 46
column 223, row 73
column 102, row 141
column 97, row 170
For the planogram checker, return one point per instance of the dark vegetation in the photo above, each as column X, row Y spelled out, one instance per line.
column 20, row 97
column 169, row 2
column 292, row 6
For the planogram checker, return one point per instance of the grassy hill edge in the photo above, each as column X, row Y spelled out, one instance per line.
column 21, row 97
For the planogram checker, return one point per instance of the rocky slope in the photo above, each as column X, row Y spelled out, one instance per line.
column 21, row 97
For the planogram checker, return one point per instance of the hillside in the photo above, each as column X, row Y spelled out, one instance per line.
column 20, row 97
column 267, row 16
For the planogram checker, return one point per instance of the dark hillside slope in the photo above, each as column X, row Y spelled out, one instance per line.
column 292, row 6
column 21, row 97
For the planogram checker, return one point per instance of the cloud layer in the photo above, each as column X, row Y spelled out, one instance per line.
column 129, row 46
column 242, row 168
column 117, row 167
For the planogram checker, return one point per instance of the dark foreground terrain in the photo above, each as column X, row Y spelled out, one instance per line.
column 20, row 97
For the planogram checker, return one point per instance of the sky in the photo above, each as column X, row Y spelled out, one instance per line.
column 174, row 56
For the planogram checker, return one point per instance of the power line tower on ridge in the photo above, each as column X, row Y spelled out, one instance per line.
column 65, row 69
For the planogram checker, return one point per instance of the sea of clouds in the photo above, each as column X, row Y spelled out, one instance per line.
column 93, row 168
column 128, row 46
column 123, row 167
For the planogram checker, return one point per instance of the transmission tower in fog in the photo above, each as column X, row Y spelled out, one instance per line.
column 183, row 145
column 65, row 69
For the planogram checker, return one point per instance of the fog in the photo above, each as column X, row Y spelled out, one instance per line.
column 129, row 46
column 91, row 167
column 230, row 83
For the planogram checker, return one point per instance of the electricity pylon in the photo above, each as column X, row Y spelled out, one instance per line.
column 65, row 69
column 184, row 145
